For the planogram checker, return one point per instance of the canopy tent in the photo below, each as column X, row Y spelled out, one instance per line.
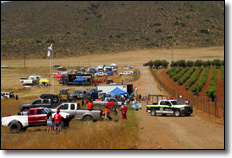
column 113, row 64
column 79, row 79
column 44, row 80
column 109, row 72
column 97, row 73
column 97, row 81
column 117, row 91
column 58, row 76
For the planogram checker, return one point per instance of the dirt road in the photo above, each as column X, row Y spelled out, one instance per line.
column 169, row 132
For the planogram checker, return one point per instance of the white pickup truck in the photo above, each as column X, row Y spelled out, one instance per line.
column 34, row 117
column 78, row 113
column 169, row 107
column 126, row 73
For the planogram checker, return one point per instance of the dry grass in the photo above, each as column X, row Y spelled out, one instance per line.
column 80, row 135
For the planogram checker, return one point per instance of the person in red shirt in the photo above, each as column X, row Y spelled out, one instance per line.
column 124, row 111
column 108, row 104
column 108, row 113
column 170, row 98
column 57, row 121
column 86, row 102
column 111, row 106
column 90, row 106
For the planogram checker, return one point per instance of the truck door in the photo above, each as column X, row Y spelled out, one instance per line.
column 41, row 117
column 32, row 118
column 64, row 108
column 37, row 103
column 46, row 103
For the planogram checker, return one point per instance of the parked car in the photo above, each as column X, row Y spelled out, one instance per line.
column 4, row 66
column 28, row 83
column 78, row 113
column 61, row 69
column 78, row 94
column 49, row 103
column 22, row 79
column 7, row 95
column 34, row 117
column 126, row 73
column 100, row 74
column 56, row 66
column 103, row 103
column 169, row 107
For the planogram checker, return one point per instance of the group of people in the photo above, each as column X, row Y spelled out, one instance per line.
column 57, row 122
column 140, row 98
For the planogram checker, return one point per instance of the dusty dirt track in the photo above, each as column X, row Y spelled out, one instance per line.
column 168, row 132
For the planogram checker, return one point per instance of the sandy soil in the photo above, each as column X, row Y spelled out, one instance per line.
column 198, row 131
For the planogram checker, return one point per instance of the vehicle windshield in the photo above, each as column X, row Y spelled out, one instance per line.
column 48, row 110
column 176, row 102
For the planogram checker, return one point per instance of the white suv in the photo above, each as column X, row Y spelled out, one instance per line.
column 126, row 73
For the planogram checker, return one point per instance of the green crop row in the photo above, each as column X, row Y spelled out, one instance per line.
column 171, row 70
column 180, row 74
column 193, row 79
column 175, row 71
column 211, row 91
column 222, row 73
column 198, row 86
column 186, row 76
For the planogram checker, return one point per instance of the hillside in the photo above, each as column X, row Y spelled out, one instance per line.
column 84, row 27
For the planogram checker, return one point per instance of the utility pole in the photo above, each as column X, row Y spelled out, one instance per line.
column 24, row 58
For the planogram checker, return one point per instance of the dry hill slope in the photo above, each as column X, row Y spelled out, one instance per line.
column 83, row 27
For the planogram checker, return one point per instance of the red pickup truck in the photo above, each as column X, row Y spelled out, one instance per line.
column 34, row 117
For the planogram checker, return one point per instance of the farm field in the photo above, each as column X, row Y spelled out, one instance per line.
column 206, row 132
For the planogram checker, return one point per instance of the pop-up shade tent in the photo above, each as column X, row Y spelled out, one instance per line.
column 79, row 79
column 117, row 91
column 44, row 80
column 97, row 73
column 109, row 72
column 58, row 76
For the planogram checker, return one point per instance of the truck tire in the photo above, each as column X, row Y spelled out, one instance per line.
column 87, row 118
column 187, row 114
column 15, row 127
column 153, row 112
column 177, row 113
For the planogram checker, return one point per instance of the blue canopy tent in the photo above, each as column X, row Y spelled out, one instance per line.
column 117, row 91
column 97, row 73
column 110, row 72
column 79, row 79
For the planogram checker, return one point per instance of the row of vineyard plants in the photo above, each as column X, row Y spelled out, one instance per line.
column 186, row 76
column 180, row 74
column 175, row 71
column 193, row 79
column 198, row 86
column 211, row 91
column 222, row 73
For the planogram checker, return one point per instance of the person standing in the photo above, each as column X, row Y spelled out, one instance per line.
column 57, row 121
column 107, row 112
column 49, row 122
column 124, row 111
column 86, row 102
column 170, row 98
column 140, row 97
column 90, row 105
column 16, row 97
column 111, row 106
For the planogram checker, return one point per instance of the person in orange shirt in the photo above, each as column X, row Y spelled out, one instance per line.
column 90, row 105
column 108, row 113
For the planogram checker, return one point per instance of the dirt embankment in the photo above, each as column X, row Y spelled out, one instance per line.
column 198, row 131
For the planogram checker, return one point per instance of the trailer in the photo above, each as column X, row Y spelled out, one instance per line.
column 108, row 88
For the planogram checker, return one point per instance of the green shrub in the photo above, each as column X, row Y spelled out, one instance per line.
column 158, row 31
column 204, row 31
